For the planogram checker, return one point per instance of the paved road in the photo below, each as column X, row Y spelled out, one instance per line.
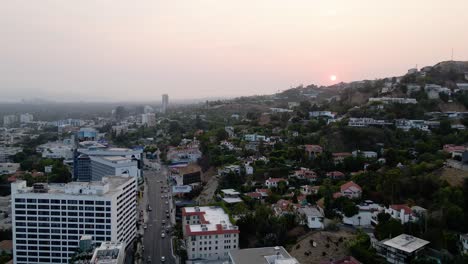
column 155, row 245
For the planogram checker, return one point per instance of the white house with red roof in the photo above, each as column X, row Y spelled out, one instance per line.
column 208, row 233
column 259, row 194
column 305, row 174
column 401, row 212
column 313, row 150
column 339, row 157
column 335, row 175
column 351, row 190
column 309, row 190
column 283, row 207
column 273, row 182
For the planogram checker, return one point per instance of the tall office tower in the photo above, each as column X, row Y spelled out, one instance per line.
column 165, row 103
column 49, row 220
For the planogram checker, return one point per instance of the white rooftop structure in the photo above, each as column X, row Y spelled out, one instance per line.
column 107, row 187
column 230, row 192
column 212, row 217
column 406, row 243
column 265, row 255
column 109, row 253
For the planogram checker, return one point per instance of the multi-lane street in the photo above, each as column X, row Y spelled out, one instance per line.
column 158, row 214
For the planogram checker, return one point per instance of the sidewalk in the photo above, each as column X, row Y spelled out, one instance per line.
column 141, row 204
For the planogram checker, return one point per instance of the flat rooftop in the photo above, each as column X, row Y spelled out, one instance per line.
column 108, row 253
column 406, row 243
column 230, row 192
column 264, row 255
column 211, row 216
column 108, row 186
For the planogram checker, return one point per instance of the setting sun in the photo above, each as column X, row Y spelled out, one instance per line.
column 333, row 78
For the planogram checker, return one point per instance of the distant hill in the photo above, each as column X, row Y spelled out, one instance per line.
column 457, row 66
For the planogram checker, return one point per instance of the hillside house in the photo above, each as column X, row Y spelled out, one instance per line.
column 339, row 157
column 401, row 249
column 335, row 175
column 273, row 182
column 351, row 190
column 365, row 154
column 309, row 190
column 312, row 216
column 313, row 150
column 305, row 174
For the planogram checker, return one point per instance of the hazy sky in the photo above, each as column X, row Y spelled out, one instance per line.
column 137, row 50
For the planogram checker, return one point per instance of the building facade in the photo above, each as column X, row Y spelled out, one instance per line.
column 208, row 233
column 48, row 221
column 165, row 103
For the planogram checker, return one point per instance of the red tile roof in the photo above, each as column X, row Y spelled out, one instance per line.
column 275, row 180
column 341, row 154
column 313, row 148
column 335, row 174
column 349, row 185
column 6, row 245
column 254, row 195
column 404, row 207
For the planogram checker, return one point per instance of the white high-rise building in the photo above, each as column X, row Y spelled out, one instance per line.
column 148, row 119
column 49, row 220
column 9, row 120
column 165, row 103
column 26, row 118
column 208, row 233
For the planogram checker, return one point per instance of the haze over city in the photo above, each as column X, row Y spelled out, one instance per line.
column 122, row 50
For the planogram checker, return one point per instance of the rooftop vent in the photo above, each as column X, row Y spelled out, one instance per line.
column 40, row 187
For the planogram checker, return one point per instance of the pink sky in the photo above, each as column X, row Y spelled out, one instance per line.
column 136, row 50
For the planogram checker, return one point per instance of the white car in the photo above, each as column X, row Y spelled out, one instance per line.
column 167, row 202
column 163, row 259
column 163, row 235
column 145, row 226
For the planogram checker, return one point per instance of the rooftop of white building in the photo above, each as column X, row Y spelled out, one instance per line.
column 108, row 253
column 213, row 220
column 265, row 255
column 406, row 243
column 106, row 187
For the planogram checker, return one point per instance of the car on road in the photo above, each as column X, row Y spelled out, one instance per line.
column 163, row 259
column 142, row 248
column 148, row 259
column 163, row 222
column 167, row 211
column 166, row 203
column 145, row 226
column 167, row 215
column 163, row 235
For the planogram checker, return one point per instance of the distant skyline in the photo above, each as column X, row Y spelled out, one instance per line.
column 103, row 50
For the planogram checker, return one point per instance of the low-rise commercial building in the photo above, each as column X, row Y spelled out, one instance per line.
column 208, row 233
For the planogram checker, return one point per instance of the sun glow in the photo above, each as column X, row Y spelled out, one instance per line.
column 332, row 78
